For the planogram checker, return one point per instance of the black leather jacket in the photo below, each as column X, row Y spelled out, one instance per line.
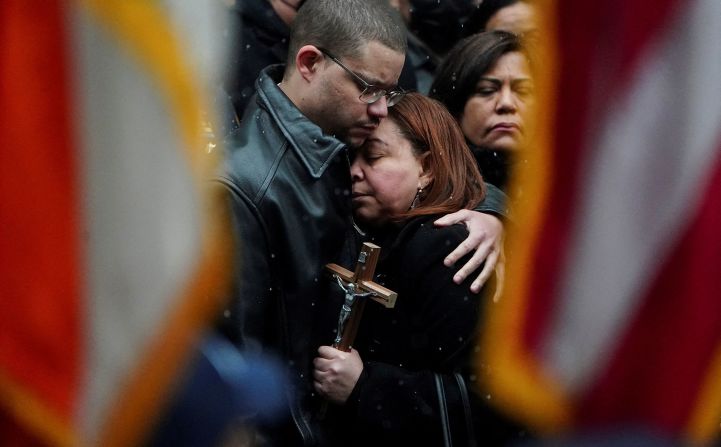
column 290, row 197
column 289, row 190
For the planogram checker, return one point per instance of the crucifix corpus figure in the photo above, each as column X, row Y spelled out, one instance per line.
column 358, row 286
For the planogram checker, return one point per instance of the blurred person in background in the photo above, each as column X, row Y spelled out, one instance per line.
column 257, row 36
column 514, row 16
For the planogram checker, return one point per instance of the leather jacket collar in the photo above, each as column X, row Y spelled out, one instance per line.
column 314, row 148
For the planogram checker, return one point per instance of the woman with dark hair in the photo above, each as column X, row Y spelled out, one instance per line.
column 515, row 16
column 486, row 84
column 408, row 379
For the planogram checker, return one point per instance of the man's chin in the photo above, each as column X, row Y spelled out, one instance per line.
column 354, row 140
column 357, row 136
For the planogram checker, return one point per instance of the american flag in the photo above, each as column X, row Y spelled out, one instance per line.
column 612, row 317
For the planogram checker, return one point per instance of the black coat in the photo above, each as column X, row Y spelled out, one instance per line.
column 417, row 356
column 257, row 38
column 289, row 187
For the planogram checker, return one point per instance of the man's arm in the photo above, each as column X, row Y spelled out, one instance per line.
column 485, row 236
column 246, row 318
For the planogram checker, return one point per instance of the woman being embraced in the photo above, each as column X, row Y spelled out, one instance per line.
column 408, row 378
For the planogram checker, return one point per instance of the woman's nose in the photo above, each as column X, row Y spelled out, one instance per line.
column 356, row 173
column 506, row 101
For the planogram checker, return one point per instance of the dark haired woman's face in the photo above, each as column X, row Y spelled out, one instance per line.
column 494, row 117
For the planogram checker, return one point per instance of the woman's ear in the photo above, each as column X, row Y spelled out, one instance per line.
column 426, row 175
column 307, row 61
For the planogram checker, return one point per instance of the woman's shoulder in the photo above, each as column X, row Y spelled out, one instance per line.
column 422, row 230
column 421, row 238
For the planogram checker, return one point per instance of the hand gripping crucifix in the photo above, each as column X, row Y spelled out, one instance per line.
column 357, row 286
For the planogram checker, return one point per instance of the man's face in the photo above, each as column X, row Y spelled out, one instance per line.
column 338, row 109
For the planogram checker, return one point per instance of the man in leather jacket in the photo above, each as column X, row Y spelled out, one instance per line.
column 288, row 178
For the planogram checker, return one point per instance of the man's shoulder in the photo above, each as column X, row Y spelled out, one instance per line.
column 252, row 152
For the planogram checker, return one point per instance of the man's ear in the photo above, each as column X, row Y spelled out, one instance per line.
column 308, row 60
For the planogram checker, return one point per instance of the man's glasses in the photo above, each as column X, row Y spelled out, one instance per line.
column 370, row 93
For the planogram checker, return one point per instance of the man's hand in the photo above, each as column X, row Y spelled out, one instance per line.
column 336, row 373
column 485, row 236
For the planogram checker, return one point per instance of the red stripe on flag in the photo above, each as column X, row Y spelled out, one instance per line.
column 40, row 328
column 654, row 378
column 633, row 25
column 599, row 46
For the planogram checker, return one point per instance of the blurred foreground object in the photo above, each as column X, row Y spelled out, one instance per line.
column 612, row 320
column 224, row 393
column 112, row 256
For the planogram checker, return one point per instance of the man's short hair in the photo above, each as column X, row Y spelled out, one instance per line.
column 343, row 27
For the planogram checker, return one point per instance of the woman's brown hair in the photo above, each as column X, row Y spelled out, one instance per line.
column 430, row 128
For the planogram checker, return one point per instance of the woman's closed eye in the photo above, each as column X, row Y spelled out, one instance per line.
column 372, row 157
column 487, row 91
column 523, row 90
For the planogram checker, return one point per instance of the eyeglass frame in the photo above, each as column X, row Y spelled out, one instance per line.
column 392, row 96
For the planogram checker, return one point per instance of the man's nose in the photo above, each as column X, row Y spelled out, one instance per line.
column 379, row 109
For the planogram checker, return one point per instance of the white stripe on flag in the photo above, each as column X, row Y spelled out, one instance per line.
column 655, row 147
column 142, row 204
column 141, row 209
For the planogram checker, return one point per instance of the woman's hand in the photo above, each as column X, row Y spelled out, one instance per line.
column 336, row 373
column 485, row 236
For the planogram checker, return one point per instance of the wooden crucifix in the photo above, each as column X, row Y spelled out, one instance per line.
column 358, row 286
